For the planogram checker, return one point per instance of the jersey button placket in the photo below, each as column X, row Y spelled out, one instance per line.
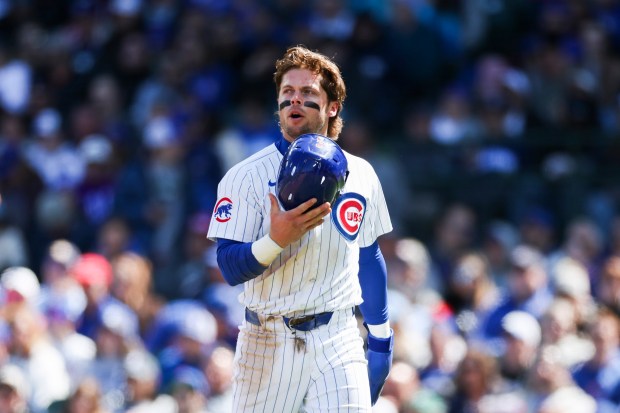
column 315, row 248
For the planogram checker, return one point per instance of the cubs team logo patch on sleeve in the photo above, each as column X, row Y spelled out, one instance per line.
column 348, row 213
column 222, row 211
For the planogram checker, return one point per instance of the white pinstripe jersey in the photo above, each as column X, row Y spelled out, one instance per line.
column 319, row 272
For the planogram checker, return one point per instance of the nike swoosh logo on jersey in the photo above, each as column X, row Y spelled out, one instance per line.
column 270, row 183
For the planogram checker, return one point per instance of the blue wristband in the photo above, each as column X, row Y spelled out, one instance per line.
column 379, row 355
column 381, row 345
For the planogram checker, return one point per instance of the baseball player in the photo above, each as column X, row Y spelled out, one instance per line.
column 305, row 269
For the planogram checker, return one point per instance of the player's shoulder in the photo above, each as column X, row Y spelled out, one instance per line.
column 267, row 155
column 358, row 162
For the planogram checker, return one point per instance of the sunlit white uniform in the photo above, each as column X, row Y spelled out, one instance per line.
column 279, row 369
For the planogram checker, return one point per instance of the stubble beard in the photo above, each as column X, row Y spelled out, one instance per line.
column 309, row 127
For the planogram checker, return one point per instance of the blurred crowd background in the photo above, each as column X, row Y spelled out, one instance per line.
column 492, row 124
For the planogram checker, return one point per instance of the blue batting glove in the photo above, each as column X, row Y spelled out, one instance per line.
column 379, row 355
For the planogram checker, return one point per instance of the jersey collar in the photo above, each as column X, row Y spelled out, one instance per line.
column 282, row 145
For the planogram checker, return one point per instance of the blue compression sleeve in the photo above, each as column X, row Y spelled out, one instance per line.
column 373, row 279
column 237, row 262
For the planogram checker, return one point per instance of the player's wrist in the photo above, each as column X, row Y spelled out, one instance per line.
column 265, row 250
column 380, row 330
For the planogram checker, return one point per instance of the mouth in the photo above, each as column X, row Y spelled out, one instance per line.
column 295, row 114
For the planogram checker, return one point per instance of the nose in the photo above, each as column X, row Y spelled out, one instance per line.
column 296, row 98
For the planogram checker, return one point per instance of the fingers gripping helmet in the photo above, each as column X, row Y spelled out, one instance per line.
column 313, row 167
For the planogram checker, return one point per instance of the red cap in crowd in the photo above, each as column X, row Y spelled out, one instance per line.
column 92, row 269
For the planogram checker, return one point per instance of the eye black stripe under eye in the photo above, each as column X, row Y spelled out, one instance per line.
column 312, row 105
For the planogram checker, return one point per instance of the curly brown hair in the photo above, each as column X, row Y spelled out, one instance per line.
column 299, row 57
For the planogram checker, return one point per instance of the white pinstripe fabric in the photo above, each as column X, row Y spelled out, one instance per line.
column 319, row 272
column 314, row 275
column 274, row 372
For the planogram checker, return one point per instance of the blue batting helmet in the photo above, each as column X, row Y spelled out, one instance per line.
column 313, row 167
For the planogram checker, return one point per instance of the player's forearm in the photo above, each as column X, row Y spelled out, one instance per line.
column 373, row 280
column 237, row 262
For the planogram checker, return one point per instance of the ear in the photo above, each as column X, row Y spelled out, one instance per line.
column 332, row 109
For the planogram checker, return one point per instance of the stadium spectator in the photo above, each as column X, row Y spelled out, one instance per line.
column 93, row 273
column 553, row 388
column 219, row 373
column 447, row 349
column 528, row 289
column 86, row 398
column 54, row 158
column 498, row 239
column 454, row 234
column 599, row 376
column 521, row 338
column 189, row 389
column 14, row 390
column 191, row 339
column 472, row 294
column 133, row 286
column 40, row 362
column 143, row 381
column 404, row 388
column 481, row 389
column 608, row 289
column 562, row 333
column 95, row 194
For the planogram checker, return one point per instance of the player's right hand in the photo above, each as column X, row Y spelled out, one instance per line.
column 289, row 226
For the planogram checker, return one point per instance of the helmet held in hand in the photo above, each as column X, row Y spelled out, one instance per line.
column 314, row 166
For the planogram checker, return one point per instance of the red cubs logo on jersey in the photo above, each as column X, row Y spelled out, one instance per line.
column 222, row 211
column 348, row 214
